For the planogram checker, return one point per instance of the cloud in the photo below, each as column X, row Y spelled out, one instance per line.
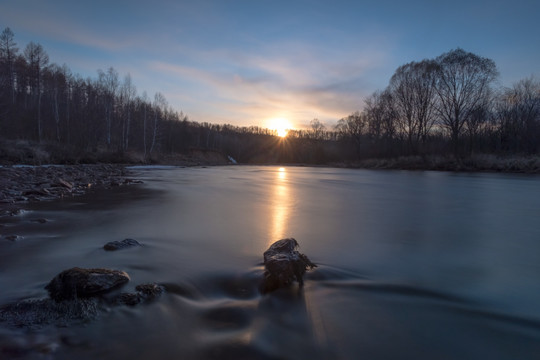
column 208, row 65
column 108, row 28
column 297, row 82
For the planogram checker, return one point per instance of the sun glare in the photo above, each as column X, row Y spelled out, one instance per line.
column 281, row 126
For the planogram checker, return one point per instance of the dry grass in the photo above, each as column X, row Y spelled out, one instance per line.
column 478, row 162
column 30, row 153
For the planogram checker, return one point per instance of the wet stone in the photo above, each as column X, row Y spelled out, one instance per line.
column 12, row 212
column 41, row 221
column 149, row 291
column 283, row 265
column 13, row 238
column 118, row 245
column 36, row 313
column 82, row 283
column 129, row 299
column 145, row 293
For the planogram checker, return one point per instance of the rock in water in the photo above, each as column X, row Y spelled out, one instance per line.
column 145, row 293
column 83, row 283
column 284, row 264
column 149, row 291
column 36, row 313
column 117, row 245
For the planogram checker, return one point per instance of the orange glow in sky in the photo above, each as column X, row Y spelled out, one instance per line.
column 280, row 125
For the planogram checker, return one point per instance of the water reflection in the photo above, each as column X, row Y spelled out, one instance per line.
column 281, row 204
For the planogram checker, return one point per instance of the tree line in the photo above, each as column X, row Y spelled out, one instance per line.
column 45, row 102
column 446, row 105
column 443, row 106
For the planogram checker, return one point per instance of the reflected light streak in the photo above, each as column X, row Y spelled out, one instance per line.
column 281, row 204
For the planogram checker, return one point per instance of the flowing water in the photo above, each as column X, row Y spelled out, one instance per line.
column 412, row 265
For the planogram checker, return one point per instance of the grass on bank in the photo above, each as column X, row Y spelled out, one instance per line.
column 25, row 152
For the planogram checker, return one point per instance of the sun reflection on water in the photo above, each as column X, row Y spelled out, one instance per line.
column 281, row 203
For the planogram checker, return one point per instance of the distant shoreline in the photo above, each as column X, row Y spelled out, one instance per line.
column 475, row 163
column 14, row 153
column 21, row 184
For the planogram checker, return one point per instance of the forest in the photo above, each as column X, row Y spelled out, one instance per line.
column 449, row 107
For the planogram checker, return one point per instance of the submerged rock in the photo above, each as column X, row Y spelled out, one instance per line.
column 117, row 245
column 129, row 299
column 13, row 238
column 40, row 220
column 145, row 293
column 284, row 264
column 76, row 297
column 82, row 283
column 36, row 313
column 149, row 291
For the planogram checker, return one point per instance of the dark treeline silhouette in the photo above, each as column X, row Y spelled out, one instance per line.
column 446, row 106
column 46, row 103
column 443, row 106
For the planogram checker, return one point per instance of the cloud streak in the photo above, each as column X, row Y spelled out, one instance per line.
column 243, row 62
column 199, row 68
column 295, row 82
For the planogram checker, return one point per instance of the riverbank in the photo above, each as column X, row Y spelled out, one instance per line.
column 474, row 163
column 15, row 152
column 20, row 184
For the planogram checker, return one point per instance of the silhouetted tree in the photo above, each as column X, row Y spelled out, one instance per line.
column 8, row 54
column 317, row 129
column 353, row 129
column 89, row 115
column 160, row 109
column 381, row 118
column 37, row 60
column 518, row 116
column 127, row 94
column 462, row 84
column 413, row 93
column 108, row 84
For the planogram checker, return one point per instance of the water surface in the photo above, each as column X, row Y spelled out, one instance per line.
column 419, row 265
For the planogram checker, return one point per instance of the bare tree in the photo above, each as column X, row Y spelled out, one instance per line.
column 68, row 77
column 353, row 128
column 518, row 115
column 160, row 108
column 317, row 129
column 478, row 122
column 56, row 85
column 108, row 82
column 144, row 104
column 462, row 84
column 127, row 94
column 8, row 53
column 37, row 60
column 381, row 118
column 413, row 91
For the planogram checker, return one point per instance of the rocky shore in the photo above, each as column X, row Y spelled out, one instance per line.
column 22, row 184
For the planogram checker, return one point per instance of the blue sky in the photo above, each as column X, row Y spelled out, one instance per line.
column 245, row 62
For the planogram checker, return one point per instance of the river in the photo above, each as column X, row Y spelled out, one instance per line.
column 411, row 265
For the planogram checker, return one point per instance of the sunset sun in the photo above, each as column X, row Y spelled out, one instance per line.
column 281, row 126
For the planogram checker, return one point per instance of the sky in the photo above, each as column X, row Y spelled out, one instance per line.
column 246, row 62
